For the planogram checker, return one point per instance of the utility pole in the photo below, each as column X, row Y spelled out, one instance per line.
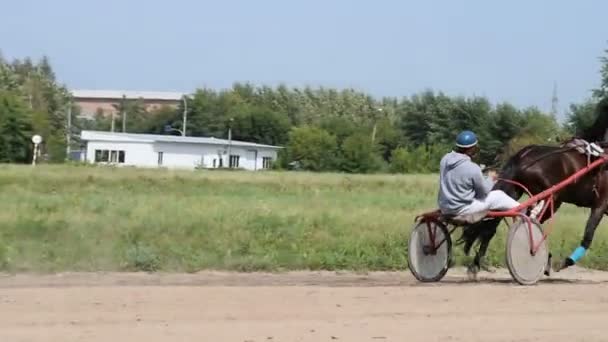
column 113, row 117
column 229, row 140
column 185, row 116
column 124, row 114
column 68, row 136
column 379, row 110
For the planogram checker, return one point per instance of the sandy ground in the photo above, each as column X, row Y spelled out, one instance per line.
column 301, row 306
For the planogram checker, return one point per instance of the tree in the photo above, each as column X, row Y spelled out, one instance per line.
column 46, row 100
column 207, row 114
column 602, row 91
column 323, row 128
column 580, row 116
column 262, row 126
column 539, row 124
column 313, row 148
column 421, row 159
column 135, row 116
column 359, row 155
column 416, row 117
column 338, row 126
column 387, row 138
column 15, row 129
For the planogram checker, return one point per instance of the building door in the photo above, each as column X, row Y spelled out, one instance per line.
column 252, row 158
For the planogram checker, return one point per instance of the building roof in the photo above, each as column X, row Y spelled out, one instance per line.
column 136, row 137
column 129, row 94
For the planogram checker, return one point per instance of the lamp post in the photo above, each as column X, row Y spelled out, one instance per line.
column 36, row 139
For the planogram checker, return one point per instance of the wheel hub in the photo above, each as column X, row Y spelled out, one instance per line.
column 429, row 250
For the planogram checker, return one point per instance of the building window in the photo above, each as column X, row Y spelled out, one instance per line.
column 234, row 161
column 109, row 156
column 214, row 163
column 160, row 158
column 99, row 156
column 266, row 162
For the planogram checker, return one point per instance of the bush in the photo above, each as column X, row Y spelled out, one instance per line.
column 142, row 258
column 422, row 159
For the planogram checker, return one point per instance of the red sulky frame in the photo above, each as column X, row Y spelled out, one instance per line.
column 548, row 194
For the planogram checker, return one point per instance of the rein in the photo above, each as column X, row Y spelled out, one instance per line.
column 548, row 154
column 543, row 156
column 537, row 159
column 515, row 183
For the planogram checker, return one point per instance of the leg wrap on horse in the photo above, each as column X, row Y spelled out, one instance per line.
column 578, row 253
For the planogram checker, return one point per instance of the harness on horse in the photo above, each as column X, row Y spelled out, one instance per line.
column 584, row 147
column 591, row 150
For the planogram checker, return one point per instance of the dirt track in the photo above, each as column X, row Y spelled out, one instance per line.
column 572, row 306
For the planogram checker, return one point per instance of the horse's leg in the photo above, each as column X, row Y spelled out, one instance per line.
column 592, row 222
column 489, row 229
column 546, row 216
column 485, row 237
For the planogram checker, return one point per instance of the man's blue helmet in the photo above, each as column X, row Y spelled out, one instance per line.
column 466, row 139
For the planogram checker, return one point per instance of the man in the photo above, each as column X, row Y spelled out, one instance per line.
column 463, row 189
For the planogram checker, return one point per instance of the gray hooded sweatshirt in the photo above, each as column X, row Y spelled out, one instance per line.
column 461, row 181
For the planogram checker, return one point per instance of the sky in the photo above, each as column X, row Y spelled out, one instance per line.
column 507, row 51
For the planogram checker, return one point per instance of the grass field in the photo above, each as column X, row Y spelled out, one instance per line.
column 59, row 218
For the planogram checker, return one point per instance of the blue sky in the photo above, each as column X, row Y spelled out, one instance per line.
column 508, row 51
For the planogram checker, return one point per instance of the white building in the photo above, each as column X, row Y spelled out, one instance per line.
column 170, row 151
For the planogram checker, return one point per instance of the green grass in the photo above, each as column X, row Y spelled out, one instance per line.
column 69, row 218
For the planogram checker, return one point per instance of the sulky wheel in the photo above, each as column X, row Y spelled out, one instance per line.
column 524, row 267
column 426, row 263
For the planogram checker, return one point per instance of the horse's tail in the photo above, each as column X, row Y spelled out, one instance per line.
column 487, row 229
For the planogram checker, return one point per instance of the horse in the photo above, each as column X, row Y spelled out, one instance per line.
column 538, row 167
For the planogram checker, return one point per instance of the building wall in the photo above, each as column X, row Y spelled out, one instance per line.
column 181, row 155
column 136, row 153
column 89, row 107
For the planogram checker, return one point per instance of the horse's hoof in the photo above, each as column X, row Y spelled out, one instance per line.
column 559, row 265
column 488, row 269
column 483, row 265
column 472, row 271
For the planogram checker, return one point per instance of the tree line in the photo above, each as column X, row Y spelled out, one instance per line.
column 322, row 129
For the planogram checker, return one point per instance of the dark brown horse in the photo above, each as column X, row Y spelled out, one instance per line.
column 538, row 167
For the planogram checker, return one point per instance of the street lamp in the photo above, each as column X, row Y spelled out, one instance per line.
column 168, row 129
column 36, row 139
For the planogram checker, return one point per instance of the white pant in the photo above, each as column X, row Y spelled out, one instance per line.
column 495, row 200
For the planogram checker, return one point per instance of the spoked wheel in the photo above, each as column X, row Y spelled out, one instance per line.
column 524, row 267
column 426, row 263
